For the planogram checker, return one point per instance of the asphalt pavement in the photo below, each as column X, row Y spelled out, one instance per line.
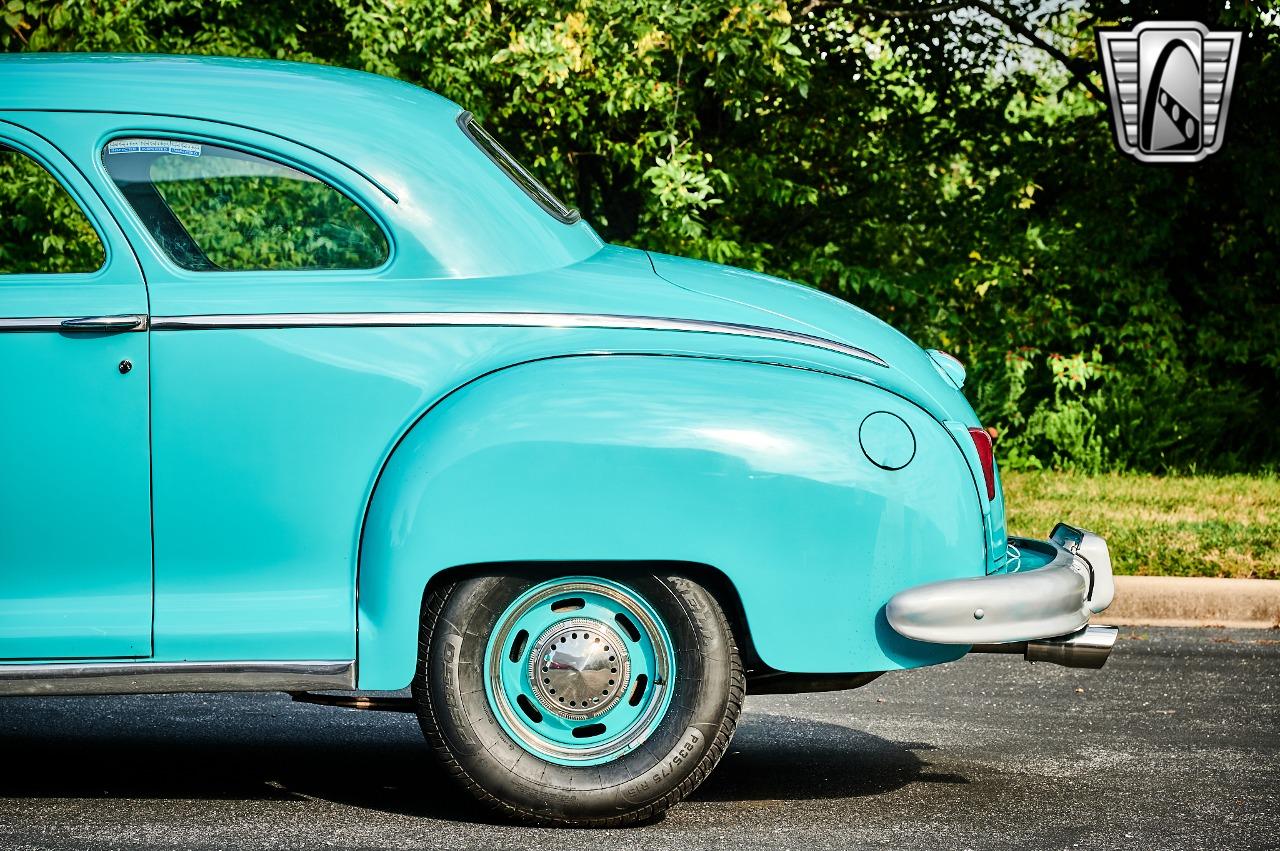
column 1175, row 744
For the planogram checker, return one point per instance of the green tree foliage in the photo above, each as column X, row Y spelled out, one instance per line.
column 947, row 165
column 42, row 230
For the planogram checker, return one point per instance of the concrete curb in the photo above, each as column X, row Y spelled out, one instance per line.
column 1194, row 601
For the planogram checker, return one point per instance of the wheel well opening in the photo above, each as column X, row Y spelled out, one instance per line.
column 711, row 578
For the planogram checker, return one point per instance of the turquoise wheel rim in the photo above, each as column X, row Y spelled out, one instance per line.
column 579, row 670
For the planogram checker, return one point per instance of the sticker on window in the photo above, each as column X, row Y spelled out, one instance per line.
column 153, row 146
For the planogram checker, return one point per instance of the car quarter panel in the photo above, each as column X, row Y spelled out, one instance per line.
column 267, row 444
column 752, row 469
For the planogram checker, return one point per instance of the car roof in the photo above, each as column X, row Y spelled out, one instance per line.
column 470, row 217
column 235, row 90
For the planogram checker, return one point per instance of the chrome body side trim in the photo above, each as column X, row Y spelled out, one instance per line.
column 173, row 677
column 32, row 323
column 500, row 319
column 1047, row 602
column 127, row 322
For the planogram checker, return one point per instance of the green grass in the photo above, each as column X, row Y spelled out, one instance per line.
column 1159, row 525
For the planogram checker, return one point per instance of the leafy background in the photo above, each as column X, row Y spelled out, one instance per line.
column 947, row 165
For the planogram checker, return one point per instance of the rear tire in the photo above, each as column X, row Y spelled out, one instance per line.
column 650, row 656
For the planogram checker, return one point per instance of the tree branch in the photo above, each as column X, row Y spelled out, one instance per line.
column 1014, row 24
column 1019, row 28
column 901, row 13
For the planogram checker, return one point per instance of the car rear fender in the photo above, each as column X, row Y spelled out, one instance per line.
column 754, row 469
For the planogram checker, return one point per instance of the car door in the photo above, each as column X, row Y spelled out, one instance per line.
column 258, row 487
column 75, row 512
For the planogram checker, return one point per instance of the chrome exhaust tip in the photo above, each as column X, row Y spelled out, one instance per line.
column 1088, row 648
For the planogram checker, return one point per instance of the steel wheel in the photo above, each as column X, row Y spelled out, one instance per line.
column 579, row 670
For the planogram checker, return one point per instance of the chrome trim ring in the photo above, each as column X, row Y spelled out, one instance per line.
column 500, row 319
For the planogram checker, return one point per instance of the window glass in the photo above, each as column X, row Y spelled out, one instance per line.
column 42, row 231
column 216, row 209
column 521, row 176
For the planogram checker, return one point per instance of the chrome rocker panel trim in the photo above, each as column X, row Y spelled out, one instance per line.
column 1053, row 601
column 174, row 677
column 500, row 319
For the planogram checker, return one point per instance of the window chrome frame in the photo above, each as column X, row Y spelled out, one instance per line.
column 529, row 183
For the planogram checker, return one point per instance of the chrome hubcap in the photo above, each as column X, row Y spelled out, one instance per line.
column 579, row 668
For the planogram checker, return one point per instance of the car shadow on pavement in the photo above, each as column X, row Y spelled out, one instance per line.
column 264, row 748
column 775, row 757
column 221, row 748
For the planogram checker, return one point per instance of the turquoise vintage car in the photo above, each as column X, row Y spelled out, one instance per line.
column 342, row 399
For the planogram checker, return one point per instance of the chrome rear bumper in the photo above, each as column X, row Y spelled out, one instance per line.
column 1040, row 606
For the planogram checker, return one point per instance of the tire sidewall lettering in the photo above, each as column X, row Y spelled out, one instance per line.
column 451, row 651
column 643, row 788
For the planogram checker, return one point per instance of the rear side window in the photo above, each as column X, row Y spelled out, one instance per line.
column 42, row 230
column 213, row 209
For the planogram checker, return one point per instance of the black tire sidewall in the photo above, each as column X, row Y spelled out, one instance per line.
column 450, row 689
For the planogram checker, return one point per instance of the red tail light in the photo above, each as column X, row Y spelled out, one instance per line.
column 982, row 443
